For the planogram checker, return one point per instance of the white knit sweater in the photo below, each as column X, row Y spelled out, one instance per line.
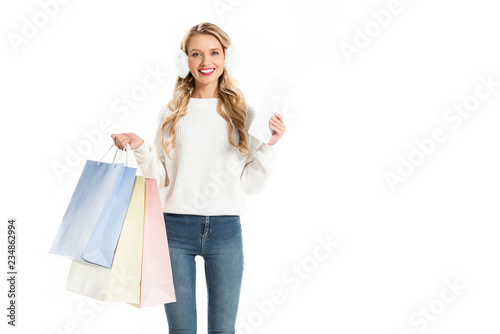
column 207, row 175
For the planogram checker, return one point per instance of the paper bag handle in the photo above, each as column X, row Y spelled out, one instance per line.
column 127, row 148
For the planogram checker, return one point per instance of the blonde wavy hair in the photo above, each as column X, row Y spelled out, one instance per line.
column 229, row 96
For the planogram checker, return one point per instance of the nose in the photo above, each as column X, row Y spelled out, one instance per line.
column 205, row 61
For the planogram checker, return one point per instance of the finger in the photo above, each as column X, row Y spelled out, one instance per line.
column 120, row 140
column 277, row 130
column 280, row 132
column 278, row 118
column 126, row 141
column 274, row 124
column 278, row 124
column 275, row 120
column 119, row 143
column 123, row 142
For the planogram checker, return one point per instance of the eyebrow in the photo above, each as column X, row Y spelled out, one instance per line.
column 210, row 49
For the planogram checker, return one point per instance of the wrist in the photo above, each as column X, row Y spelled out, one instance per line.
column 142, row 149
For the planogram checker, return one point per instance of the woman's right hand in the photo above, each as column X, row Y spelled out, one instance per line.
column 121, row 139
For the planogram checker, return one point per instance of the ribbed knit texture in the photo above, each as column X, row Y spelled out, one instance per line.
column 207, row 175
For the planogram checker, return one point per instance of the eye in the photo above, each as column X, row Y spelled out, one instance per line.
column 196, row 53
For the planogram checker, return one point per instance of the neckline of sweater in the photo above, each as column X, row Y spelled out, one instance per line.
column 200, row 102
column 203, row 98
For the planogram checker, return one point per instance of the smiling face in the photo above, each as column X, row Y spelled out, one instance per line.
column 205, row 59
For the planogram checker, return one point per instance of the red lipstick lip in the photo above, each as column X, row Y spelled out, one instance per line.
column 206, row 74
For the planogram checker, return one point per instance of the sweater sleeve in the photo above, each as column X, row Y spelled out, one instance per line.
column 151, row 158
column 260, row 162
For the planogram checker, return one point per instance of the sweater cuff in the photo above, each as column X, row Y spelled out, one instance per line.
column 267, row 148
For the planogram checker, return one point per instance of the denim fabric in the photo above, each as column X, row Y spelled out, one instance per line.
column 218, row 240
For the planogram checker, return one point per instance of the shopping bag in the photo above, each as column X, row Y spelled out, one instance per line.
column 157, row 285
column 121, row 282
column 93, row 220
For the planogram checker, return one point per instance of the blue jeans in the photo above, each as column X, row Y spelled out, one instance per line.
column 218, row 240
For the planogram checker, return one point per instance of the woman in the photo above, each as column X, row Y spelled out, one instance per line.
column 205, row 163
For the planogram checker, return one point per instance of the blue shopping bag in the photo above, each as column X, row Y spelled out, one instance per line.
column 94, row 218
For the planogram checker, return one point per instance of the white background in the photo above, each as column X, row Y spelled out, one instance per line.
column 350, row 121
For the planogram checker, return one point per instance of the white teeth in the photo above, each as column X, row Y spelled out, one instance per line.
column 207, row 71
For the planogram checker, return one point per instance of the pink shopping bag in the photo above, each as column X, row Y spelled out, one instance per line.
column 157, row 284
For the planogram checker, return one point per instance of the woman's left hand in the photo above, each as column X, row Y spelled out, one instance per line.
column 278, row 127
